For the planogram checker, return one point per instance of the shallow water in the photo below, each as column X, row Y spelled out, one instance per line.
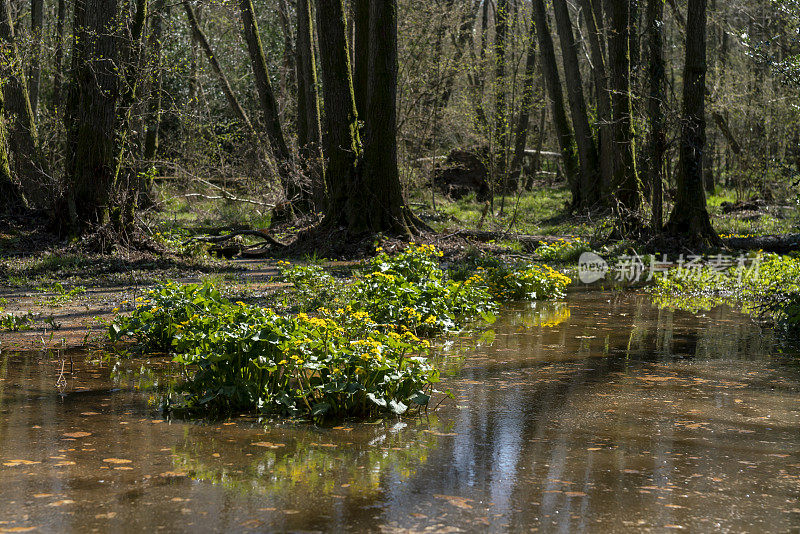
column 603, row 414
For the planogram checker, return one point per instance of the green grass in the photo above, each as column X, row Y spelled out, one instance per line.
column 542, row 212
column 539, row 212
column 199, row 214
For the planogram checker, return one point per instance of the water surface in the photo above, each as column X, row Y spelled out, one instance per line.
column 601, row 414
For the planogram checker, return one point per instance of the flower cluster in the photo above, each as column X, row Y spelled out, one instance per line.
column 530, row 282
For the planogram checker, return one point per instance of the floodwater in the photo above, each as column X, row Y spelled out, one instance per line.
column 603, row 414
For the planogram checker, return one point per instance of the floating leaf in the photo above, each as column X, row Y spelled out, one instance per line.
column 61, row 503
column 458, row 502
column 77, row 434
column 268, row 444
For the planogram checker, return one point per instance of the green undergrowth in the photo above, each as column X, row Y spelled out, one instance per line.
column 767, row 285
column 563, row 250
column 362, row 353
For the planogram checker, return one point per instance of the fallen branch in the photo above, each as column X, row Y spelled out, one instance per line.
column 223, row 238
column 230, row 197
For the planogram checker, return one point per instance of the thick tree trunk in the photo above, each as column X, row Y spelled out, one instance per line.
column 58, row 70
column 269, row 106
column 201, row 39
column 592, row 11
column 309, row 131
column 587, row 150
column 92, row 121
column 35, row 72
column 657, row 142
column 566, row 139
column 342, row 142
column 626, row 185
column 689, row 216
column 384, row 207
column 12, row 199
column 23, row 147
column 360, row 12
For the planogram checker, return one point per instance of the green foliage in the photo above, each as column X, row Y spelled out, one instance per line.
column 769, row 286
column 158, row 317
column 313, row 285
column 562, row 250
column 245, row 357
column 363, row 358
column 179, row 241
column 62, row 295
column 14, row 323
column 411, row 290
column 530, row 282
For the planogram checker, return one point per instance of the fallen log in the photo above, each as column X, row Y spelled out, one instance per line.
column 529, row 242
column 780, row 244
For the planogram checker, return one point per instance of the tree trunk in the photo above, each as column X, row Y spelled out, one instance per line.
column 657, row 142
column 634, row 44
column 461, row 43
column 287, row 80
column 689, row 216
column 12, row 199
column 201, row 39
column 309, row 131
column 381, row 193
column 587, row 150
column 92, row 121
column 154, row 107
column 146, row 196
column 526, row 106
column 360, row 11
column 342, row 142
column 625, row 184
column 35, row 72
column 552, row 80
column 23, row 147
column 269, row 107
column 58, row 71
column 595, row 31
column 500, row 112
column 479, row 78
